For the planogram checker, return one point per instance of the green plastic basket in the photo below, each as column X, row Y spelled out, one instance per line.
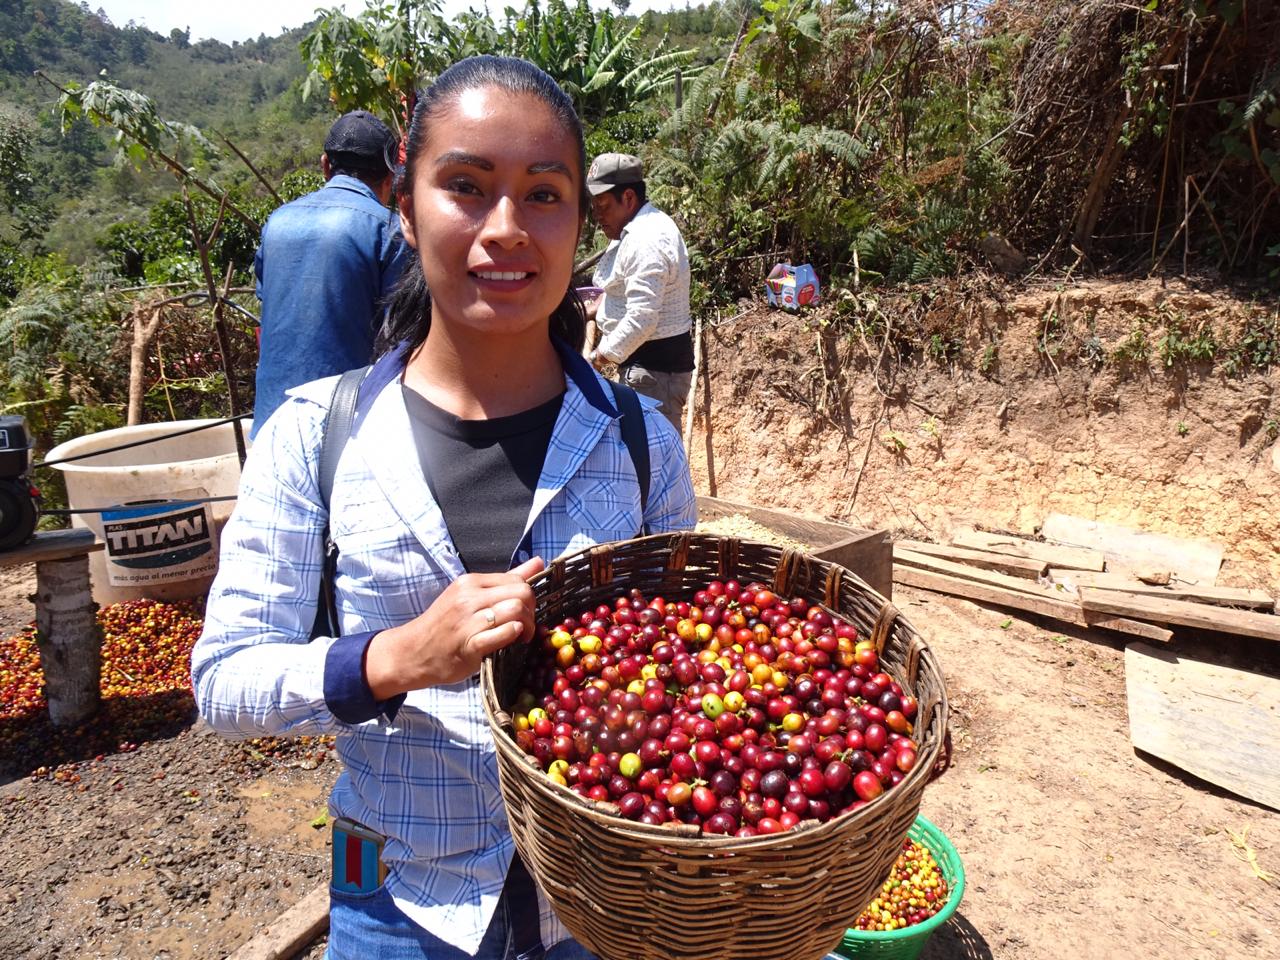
column 907, row 943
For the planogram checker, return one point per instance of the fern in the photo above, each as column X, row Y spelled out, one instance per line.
column 1262, row 96
column 838, row 145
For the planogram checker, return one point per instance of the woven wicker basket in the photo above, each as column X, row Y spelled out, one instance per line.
column 629, row 891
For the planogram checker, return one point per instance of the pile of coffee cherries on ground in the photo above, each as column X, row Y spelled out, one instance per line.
column 146, row 695
column 914, row 891
column 740, row 712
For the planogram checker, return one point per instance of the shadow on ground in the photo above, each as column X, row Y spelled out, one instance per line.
column 957, row 939
column 30, row 743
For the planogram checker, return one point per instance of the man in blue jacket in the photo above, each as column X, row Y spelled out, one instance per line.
column 326, row 263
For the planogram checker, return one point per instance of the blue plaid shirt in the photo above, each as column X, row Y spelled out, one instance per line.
column 422, row 770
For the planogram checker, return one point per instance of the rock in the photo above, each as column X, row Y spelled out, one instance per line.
column 1275, row 458
column 1002, row 254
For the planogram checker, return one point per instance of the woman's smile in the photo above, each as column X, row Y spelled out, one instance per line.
column 506, row 279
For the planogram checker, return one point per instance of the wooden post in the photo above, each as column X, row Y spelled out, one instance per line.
column 66, row 621
column 691, row 399
column 67, row 634
column 706, row 412
column 146, row 320
column 679, row 89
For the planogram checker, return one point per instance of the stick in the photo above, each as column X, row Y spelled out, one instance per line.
column 1186, row 233
column 866, row 455
column 728, row 64
column 1186, row 218
column 176, row 168
column 249, row 163
column 706, row 410
column 693, row 387
column 237, row 426
column 219, row 324
column 589, row 262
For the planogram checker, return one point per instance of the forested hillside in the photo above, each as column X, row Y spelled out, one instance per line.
column 248, row 91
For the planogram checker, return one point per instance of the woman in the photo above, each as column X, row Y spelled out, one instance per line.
column 482, row 442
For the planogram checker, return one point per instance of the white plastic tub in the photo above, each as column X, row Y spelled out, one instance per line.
column 201, row 464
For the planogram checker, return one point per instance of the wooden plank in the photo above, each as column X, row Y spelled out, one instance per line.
column 1240, row 622
column 290, row 932
column 1184, row 710
column 1002, row 563
column 815, row 532
column 923, row 561
column 51, row 545
column 1074, row 558
column 868, row 553
column 1126, row 548
column 1043, row 605
column 1221, row 596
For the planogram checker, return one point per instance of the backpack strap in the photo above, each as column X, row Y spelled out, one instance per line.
column 333, row 440
column 634, row 435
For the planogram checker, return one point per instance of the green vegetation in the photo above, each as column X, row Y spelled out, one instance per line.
column 899, row 147
column 1184, row 343
column 378, row 59
column 1134, row 350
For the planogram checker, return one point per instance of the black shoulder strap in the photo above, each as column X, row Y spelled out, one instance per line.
column 634, row 435
column 333, row 440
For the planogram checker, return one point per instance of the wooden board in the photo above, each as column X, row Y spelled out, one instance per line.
column 1128, row 549
column 1073, row 558
column 1002, row 563
column 923, row 561
column 868, row 553
column 1240, row 622
column 1220, row 596
column 1184, row 711
column 290, row 932
column 1044, row 606
column 51, row 545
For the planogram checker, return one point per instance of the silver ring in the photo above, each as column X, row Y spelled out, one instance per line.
column 489, row 616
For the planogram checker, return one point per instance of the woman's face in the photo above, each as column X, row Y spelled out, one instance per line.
column 494, row 211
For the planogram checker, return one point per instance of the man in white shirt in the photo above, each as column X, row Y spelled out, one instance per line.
column 643, row 315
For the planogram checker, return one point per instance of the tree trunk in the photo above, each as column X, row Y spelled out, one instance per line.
column 1096, row 193
column 69, row 640
column 145, row 323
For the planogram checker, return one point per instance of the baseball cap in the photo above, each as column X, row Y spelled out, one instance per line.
column 362, row 140
column 612, row 169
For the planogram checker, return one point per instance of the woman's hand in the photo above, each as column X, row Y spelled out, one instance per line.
column 474, row 616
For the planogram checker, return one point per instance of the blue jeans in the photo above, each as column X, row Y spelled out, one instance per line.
column 363, row 926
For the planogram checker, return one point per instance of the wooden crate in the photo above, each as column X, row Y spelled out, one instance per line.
column 868, row 553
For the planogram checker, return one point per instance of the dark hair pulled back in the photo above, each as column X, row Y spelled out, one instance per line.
column 409, row 309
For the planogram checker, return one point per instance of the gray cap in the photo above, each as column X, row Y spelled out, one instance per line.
column 612, row 169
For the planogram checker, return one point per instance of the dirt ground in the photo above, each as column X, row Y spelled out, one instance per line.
column 179, row 849
column 1066, row 835
column 1073, row 844
column 1185, row 450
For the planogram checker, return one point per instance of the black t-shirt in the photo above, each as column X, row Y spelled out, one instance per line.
column 483, row 474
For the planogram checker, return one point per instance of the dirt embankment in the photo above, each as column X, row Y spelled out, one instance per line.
column 1089, row 399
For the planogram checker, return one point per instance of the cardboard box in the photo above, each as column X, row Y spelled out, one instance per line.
column 792, row 287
